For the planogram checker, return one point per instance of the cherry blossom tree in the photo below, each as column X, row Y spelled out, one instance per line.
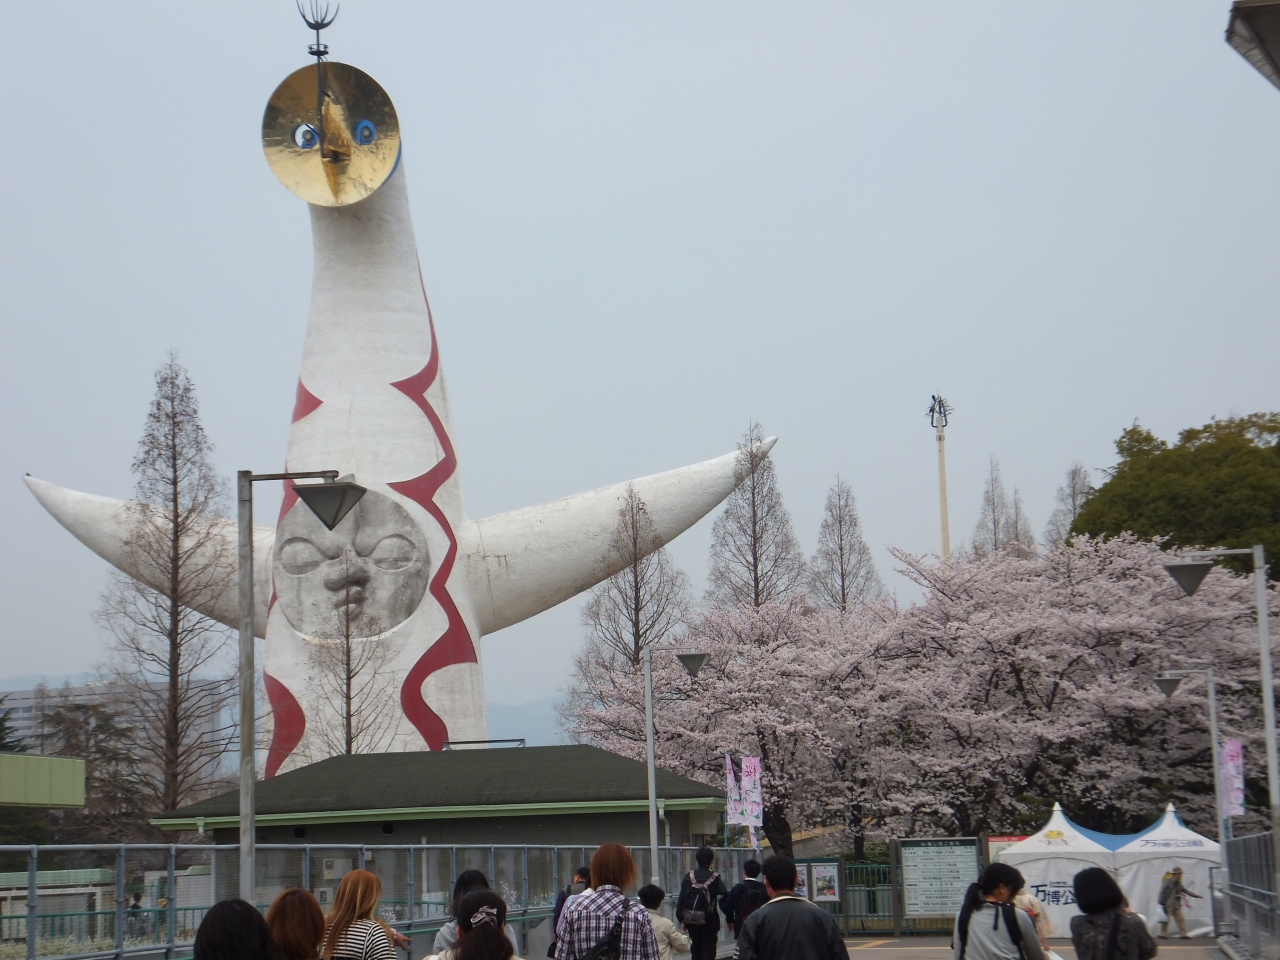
column 1014, row 682
column 1035, row 682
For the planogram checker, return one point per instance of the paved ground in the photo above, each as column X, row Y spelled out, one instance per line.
column 931, row 948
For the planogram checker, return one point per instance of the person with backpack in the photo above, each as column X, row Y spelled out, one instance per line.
column 989, row 926
column 701, row 891
column 606, row 924
column 581, row 884
column 750, row 885
column 789, row 927
column 1108, row 930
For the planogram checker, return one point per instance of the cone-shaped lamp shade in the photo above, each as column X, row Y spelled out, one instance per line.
column 692, row 662
column 330, row 502
column 1254, row 31
column 1189, row 574
column 1168, row 684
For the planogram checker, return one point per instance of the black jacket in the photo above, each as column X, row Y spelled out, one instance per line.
column 717, row 890
column 788, row 928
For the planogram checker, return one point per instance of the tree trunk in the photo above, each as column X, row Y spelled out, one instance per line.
column 778, row 830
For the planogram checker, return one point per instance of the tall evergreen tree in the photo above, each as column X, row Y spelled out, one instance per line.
column 755, row 556
column 842, row 574
column 166, row 657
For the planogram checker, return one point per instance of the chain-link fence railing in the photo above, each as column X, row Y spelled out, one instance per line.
column 146, row 900
column 1251, row 894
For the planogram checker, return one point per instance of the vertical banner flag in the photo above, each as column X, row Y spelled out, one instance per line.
column 734, row 815
column 1232, row 761
column 752, row 796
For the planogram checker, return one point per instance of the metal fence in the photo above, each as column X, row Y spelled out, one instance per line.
column 146, row 900
column 1250, row 913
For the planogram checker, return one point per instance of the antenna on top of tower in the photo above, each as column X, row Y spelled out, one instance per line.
column 939, row 411
column 939, row 414
column 318, row 20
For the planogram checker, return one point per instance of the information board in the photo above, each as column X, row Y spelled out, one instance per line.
column 936, row 874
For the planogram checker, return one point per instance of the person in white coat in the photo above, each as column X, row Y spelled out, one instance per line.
column 670, row 939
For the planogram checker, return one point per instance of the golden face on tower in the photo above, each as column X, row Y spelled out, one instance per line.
column 330, row 134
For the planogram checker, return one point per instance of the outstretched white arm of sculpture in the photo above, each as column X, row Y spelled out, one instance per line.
column 529, row 560
column 518, row 564
column 104, row 525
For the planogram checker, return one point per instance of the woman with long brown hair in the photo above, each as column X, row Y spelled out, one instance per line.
column 352, row 932
column 297, row 924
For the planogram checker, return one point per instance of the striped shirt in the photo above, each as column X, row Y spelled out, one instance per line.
column 588, row 918
column 364, row 940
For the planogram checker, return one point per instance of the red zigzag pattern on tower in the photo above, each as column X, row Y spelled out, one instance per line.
column 455, row 645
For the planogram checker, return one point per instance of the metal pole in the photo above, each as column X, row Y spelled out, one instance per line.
column 653, row 773
column 171, row 908
column 33, row 899
column 942, row 491
column 1223, row 827
column 1268, row 710
column 244, row 492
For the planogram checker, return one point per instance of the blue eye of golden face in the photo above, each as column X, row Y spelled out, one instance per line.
column 305, row 136
column 366, row 133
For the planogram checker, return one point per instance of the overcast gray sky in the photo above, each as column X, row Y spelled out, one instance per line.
column 641, row 225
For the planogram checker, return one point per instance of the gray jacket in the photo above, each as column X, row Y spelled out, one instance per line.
column 989, row 940
column 447, row 938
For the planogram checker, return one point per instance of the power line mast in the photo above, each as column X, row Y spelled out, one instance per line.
column 939, row 413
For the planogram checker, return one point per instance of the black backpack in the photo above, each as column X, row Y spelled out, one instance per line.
column 610, row 948
column 698, row 901
column 752, row 900
column 1006, row 910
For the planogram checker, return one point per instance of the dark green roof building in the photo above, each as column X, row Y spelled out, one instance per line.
column 522, row 795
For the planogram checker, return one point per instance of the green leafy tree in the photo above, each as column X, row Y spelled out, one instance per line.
column 1218, row 486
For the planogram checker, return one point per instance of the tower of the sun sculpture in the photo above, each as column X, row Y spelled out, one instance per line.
column 406, row 569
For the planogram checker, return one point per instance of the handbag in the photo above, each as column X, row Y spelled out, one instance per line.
column 610, row 948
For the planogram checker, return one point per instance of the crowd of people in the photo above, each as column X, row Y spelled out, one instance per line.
column 595, row 918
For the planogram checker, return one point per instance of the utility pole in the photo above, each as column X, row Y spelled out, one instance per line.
column 939, row 414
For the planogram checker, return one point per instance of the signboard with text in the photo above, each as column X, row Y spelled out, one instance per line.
column 936, row 874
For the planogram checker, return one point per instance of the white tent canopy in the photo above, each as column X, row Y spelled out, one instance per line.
column 1141, row 865
column 1051, row 858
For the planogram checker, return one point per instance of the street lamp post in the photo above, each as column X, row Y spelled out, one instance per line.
column 693, row 662
column 330, row 501
column 1190, row 573
column 1168, row 683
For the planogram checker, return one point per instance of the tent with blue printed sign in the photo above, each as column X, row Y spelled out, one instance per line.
column 1051, row 858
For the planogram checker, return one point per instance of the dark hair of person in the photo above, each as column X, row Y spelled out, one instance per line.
column 779, row 872
column 467, row 881
column 1096, row 891
column 751, row 868
column 651, row 895
column 234, row 930
column 481, row 917
column 583, row 873
column 296, row 923
column 705, row 857
column 996, row 875
column 612, row 866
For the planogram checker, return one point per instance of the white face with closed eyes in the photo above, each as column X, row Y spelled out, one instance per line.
column 365, row 576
